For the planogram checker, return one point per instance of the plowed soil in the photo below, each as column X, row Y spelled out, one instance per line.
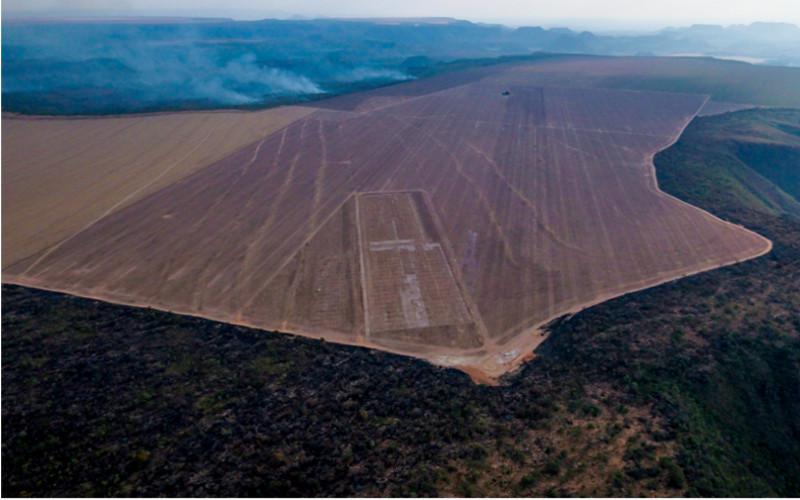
column 448, row 222
column 62, row 174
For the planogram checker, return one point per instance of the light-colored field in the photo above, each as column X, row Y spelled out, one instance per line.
column 448, row 221
column 59, row 175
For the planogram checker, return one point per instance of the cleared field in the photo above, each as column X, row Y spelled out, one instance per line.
column 724, row 81
column 60, row 175
column 447, row 222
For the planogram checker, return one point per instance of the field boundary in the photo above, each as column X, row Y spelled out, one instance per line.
column 531, row 331
column 413, row 296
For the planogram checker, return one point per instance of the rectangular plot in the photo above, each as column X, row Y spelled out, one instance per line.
column 409, row 284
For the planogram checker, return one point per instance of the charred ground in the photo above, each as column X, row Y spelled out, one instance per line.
column 690, row 387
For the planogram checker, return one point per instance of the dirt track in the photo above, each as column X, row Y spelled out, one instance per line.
column 530, row 205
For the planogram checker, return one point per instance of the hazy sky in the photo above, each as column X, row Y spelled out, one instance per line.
column 646, row 14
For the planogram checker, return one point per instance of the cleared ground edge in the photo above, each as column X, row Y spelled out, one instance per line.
column 486, row 368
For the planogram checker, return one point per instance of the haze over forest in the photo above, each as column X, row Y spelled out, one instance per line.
column 83, row 66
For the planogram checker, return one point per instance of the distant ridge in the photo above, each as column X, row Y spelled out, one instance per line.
column 113, row 20
column 399, row 20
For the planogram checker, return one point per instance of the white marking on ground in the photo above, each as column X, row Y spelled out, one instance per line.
column 388, row 245
column 413, row 304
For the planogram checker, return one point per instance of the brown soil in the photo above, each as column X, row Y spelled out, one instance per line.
column 62, row 174
column 529, row 206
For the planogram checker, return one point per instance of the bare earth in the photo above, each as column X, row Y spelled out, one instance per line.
column 447, row 219
column 60, row 175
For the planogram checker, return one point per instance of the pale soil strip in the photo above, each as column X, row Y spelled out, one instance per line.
column 280, row 148
column 291, row 292
column 565, row 263
column 363, row 266
column 540, row 178
column 412, row 304
column 258, row 149
column 155, row 179
column 319, row 182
